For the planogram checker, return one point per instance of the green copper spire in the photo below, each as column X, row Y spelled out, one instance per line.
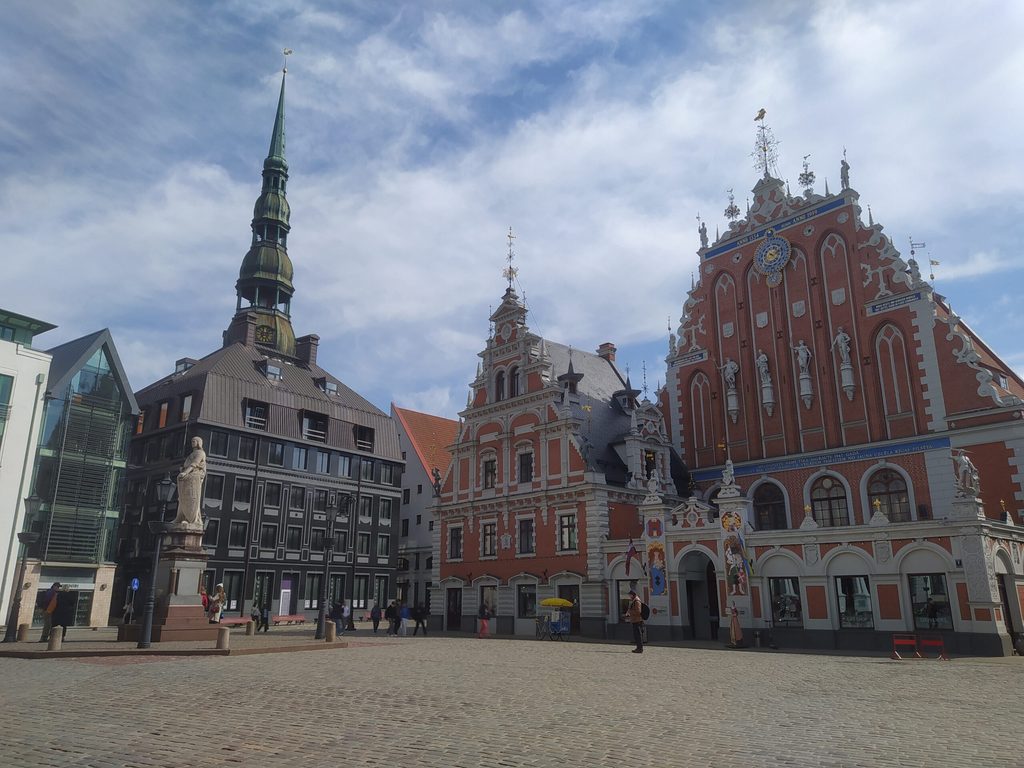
column 264, row 286
column 276, row 154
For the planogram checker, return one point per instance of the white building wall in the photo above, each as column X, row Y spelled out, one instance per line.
column 29, row 368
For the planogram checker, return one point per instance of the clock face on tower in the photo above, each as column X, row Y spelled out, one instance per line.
column 265, row 334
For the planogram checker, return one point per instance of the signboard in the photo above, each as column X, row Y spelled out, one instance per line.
column 135, row 584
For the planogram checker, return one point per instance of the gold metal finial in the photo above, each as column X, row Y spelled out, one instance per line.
column 286, row 52
column 510, row 271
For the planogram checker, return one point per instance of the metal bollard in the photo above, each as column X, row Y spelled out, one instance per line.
column 330, row 632
column 223, row 635
column 23, row 631
column 250, row 628
column 56, row 639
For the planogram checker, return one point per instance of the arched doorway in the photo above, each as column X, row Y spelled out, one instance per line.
column 699, row 597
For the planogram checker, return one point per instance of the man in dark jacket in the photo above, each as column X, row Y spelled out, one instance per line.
column 419, row 616
column 47, row 601
column 64, row 614
column 391, row 616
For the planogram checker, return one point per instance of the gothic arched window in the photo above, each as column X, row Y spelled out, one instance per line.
column 769, row 508
column 888, row 487
column 499, row 386
column 828, row 502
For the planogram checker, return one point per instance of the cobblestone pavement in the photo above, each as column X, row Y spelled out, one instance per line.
column 441, row 701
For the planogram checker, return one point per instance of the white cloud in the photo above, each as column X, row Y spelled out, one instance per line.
column 417, row 136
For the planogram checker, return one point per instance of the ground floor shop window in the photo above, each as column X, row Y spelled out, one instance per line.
column 526, row 601
column 930, row 601
column 380, row 589
column 336, row 588
column 362, row 588
column 786, row 607
column 311, row 599
column 263, row 589
column 233, row 588
column 853, row 597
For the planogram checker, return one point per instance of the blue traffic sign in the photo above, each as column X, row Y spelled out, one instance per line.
column 135, row 584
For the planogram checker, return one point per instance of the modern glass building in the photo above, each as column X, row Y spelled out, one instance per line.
column 79, row 473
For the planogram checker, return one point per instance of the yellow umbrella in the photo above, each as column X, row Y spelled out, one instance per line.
column 556, row 602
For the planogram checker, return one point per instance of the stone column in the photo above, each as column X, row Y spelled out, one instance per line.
column 734, row 522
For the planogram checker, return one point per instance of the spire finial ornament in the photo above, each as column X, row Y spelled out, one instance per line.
column 286, row 53
column 765, row 153
column 644, row 368
column 510, row 272
column 732, row 211
column 806, row 179
column 871, row 219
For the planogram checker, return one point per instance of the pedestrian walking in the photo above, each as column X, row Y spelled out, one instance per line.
column 346, row 616
column 389, row 614
column 337, row 617
column 375, row 617
column 484, row 617
column 47, row 601
column 419, row 615
column 264, row 617
column 404, row 614
column 635, row 616
column 217, row 604
column 64, row 612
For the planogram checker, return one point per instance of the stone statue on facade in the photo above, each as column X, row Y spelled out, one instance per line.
column 842, row 343
column 728, row 474
column 729, row 371
column 702, row 230
column 436, row 473
column 844, row 174
column 967, row 480
column 803, row 356
column 762, row 368
column 190, row 488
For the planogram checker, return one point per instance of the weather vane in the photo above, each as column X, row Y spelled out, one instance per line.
column 806, row 179
column 287, row 52
column 732, row 211
column 765, row 153
column 510, row 272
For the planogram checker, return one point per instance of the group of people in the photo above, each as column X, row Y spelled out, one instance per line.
column 398, row 615
column 214, row 604
column 58, row 607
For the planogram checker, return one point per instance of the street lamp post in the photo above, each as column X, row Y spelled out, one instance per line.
column 27, row 539
column 321, row 615
column 164, row 493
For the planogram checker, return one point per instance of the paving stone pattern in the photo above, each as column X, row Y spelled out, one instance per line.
column 442, row 701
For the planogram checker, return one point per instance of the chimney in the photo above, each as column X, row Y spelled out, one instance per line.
column 607, row 351
column 305, row 348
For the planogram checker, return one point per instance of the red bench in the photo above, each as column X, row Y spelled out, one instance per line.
column 293, row 618
column 235, row 621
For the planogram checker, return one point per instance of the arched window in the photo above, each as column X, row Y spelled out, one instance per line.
column 769, row 508
column 499, row 386
column 828, row 502
column 513, row 382
column 888, row 487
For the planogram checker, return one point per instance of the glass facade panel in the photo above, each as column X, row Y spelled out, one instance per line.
column 853, row 598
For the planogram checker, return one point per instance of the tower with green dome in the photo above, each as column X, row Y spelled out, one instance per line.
column 264, row 288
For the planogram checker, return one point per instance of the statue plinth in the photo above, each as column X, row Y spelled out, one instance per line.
column 178, row 614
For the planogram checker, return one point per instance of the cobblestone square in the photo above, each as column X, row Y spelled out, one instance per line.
column 443, row 701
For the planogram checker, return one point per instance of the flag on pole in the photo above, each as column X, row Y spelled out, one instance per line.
column 630, row 554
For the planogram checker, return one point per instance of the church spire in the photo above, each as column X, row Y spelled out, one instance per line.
column 264, row 288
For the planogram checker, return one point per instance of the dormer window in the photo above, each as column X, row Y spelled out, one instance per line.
column 255, row 414
column 272, row 371
column 314, row 426
column 183, row 364
column 326, row 385
column 364, row 438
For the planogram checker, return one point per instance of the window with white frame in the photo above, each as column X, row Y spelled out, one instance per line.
column 889, row 489
column 525, row 544
column 385, row 512
column 383, row 546
column 567, row 541
column 455, row 542
column 489, row 539
column 828, row 502
column 526, row 467
column 490, row 472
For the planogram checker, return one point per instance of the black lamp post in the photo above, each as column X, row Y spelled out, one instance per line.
column 164, row 493
column 321, row 615
column 27, row 539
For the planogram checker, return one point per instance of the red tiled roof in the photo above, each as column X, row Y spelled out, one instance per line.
column 430, row 437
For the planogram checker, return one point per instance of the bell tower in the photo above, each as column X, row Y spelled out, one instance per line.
column 264, row 287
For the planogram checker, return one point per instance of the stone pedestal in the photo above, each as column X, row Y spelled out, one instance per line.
column 178, row 614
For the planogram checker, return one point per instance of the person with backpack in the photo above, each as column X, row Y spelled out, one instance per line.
column 635, row 616
column 47, row 602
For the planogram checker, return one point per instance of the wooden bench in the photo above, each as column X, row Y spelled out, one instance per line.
column 235, row 621
column 295, row 618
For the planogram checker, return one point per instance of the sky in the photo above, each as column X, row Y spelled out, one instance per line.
column 132, row 137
